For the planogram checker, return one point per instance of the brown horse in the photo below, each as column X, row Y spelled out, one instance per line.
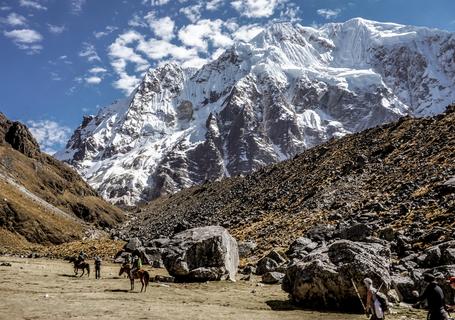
column 80, row 265
column 141, row 274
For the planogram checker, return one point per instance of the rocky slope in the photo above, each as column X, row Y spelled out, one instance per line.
column 43, row 200
column 261, row 102
column 398, row 177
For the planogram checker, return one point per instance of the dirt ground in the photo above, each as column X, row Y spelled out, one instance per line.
column 48, row 289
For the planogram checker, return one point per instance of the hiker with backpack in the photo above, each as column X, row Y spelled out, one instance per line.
column 376, row 303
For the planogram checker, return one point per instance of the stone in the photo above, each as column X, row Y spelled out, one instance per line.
column 323, row 279
column 387, row 234
column 265, row 265
column 301, row 247
column 161, row 278
column 154, row 256
column 272, row 277
column 121, row 256
column 357, row 232
column 249, row 270
column 202, row 254
column 246, row 248
column 448, row 256
column 404, row 286
column 133, row 244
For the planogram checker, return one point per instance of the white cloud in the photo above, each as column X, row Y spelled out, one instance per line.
column 56, row 29
column 255, row 8
column 163, row 27
column 136, row 21
column 328, row 13
column 155, row 3
column 49, row 134
column 32, row 4
column 24, row 35
column 93, row 80
column 108, row 30
column 5, row 8
column 55, row 76
column 213, row 4
column 76, row 6
column 247, row 32
column 14, row 20
column 198, row 35
column 26, row 39
column 193, row 13
column 89, row 52
column 96, row 70
column 121, row 54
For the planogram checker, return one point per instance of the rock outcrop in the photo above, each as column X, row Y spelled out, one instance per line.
column 202, row 254
column 323, row 279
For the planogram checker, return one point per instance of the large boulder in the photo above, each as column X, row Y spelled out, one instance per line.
column 323, row 279
column 202, row 254
column 132, row 245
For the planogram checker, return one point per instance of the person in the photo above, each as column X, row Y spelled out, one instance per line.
column 435, row 299
column 97, row 267
column 451, row 308
column 372, row 305
column 81, row 258
column 137, row 263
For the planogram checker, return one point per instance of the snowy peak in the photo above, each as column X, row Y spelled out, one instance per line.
column 289, row 89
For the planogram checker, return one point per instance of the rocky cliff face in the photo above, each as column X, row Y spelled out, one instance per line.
column 289, row 89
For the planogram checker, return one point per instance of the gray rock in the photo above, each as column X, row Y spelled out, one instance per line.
column 246, row 248
column 155, row 256
column 404, row 286
column 160, row 278
column 121, row 257
column 272, row 277
column 448, row 256
column 265, row 265
column 202, row 254
column 323, row 279
column 357, row 232
column 249, row 270
column 301, row 247
column 133, row 244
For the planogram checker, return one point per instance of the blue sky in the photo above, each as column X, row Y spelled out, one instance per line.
column 60, row 59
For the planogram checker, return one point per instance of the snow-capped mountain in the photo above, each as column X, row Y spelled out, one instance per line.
column 288, row 89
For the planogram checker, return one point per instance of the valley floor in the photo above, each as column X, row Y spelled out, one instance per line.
column 47, row 289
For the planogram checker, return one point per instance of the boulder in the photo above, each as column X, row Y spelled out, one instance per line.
column 161, row 278
column 356, row 232
column 272, row 277
column 323, row 279
column 133, row 244
column 246, row 248
column 154, row 256
column 271, row 262
column 121, row 256
column 301, row 247
column 202, row 254
column 404, row 286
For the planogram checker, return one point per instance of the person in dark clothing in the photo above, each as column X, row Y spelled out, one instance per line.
column 97, row 267
column 435, row 299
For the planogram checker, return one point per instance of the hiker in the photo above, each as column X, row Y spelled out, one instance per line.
column 373, row 305
column 97, row 267
column 451, row 308
column 137, row 263
column 435, row 299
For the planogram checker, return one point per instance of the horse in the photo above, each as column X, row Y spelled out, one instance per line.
column 141, row 274
column 80, row 265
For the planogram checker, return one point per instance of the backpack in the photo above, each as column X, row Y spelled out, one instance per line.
column 384, row 302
